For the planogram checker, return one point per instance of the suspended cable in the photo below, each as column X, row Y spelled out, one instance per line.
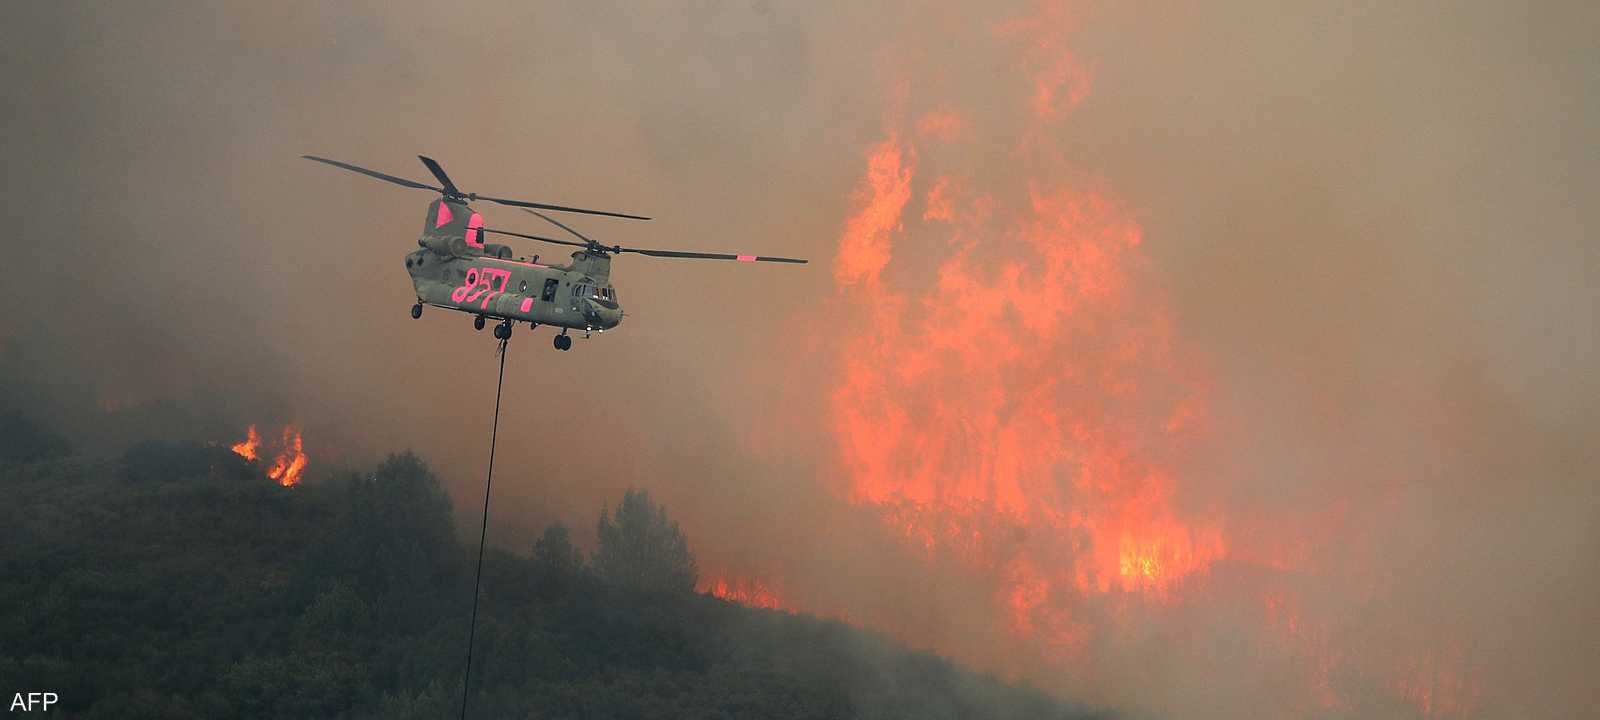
column 483, row 534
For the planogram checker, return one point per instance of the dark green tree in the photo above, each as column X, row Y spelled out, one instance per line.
column 24, row 440
column 642, row 550
column 554, row 552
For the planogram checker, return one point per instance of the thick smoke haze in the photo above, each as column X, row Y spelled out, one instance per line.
column 1366, row 246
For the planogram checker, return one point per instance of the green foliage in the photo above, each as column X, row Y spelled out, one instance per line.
column 186, row 588
column 643, row 550
column 22, row 439
column 557, row 563
column 161, row 461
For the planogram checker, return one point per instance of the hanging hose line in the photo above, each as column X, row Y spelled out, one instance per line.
column 494, row 431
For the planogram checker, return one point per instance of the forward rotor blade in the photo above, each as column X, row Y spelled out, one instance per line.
column 559, row 224
column 535, row 237
column 451, row 190
column 712, row 256
column 561, row 208
column 373, row 173
column 438, row 172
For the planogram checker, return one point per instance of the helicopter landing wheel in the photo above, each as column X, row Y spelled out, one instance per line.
column 477, row 323
column 502, row 331
column 563, row 342
column 416, row 311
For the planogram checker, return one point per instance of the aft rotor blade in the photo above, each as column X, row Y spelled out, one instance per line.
column 560, row 208
column 373, row 173
column 535, row 237
column 559, row 224
column 438, row 172
column 712, row 256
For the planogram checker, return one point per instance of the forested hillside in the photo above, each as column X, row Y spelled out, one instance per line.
column 176, row 581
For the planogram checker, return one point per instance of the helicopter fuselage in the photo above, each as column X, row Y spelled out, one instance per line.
column 455, row 269
column 516, row 290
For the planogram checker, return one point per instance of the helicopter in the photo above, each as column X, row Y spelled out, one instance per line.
column 457, row 270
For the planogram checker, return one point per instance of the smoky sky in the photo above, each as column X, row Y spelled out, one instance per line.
column 1374, row 226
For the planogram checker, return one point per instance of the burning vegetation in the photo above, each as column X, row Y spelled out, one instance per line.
column 247, row 447
column 1020, row 411
column 750, row 593
column 288, row 459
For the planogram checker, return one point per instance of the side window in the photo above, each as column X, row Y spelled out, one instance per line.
column 523, row 288
column 550, row 287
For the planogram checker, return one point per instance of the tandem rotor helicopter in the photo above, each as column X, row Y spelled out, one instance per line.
column 457, row 270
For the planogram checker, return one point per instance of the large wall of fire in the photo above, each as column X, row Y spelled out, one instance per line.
column 1017, row 408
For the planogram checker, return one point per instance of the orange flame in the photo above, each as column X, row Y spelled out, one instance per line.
column 291, row 458
column 288, row 464
column 1032, row 384
column 864, row 249
column 247, row 449
column 750, row 593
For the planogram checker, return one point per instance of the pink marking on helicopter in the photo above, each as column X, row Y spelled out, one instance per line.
column 473, row 238
column 444, row 217
column 527, row 305
column 747, row 258
column 460, row 294
column 485, row 285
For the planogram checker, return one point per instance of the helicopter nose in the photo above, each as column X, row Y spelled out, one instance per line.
column 610, row 317
column 601, row 316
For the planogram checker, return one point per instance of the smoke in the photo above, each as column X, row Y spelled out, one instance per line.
column 1378, row 242
column 1360, row 274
